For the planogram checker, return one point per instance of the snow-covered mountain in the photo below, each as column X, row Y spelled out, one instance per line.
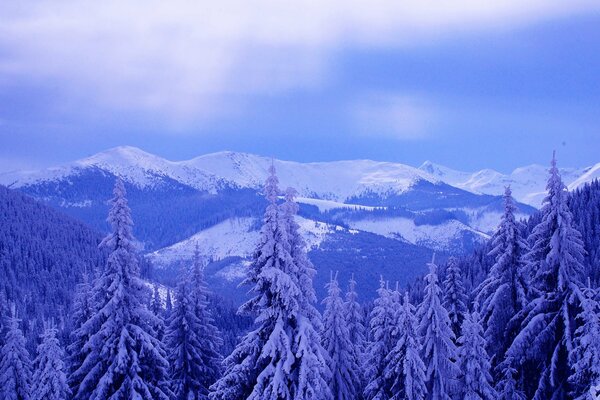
column 528, row 184
column 176, row 203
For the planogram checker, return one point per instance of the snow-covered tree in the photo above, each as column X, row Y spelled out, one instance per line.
column 507, row 387
column 282, row 357
column 82, row 312
column 210, row 337
column 184, row 345
column 439, row 352
column 125, row 359
column 404, row 367
column 49, row 378
column 475, row 379
column 382, row 322
column 168, row 306
column 543, row 347
column 344, row 382
column 585, row 357
column 311, row 369
column 455, row 299
column 15, row 364
column 504, row 292
column 156, row 305
column 356, row 330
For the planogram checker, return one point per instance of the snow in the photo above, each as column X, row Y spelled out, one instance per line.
column 528, row 183
column 438, row 237
column 336, row 181
column 234, row 237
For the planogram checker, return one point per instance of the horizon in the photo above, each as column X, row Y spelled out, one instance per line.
column 416, row 166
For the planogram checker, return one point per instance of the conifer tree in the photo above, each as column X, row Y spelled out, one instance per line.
column 382, row 323
column 49, row 378
column 542, row 349
column 475, row 380
column 336, row 340
column 404, row 366
column 455, row 299
column 504, row 292
column 354, row 317
column 125, row 359
column 585, row 357
column 184, row 345
column 168, row 306
column 15, row 364
column 210, row 337
column 82, row 312
column 507, row 387
column 439, row 352
column 282, row 357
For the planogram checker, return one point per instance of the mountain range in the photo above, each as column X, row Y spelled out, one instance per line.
column 355, row 215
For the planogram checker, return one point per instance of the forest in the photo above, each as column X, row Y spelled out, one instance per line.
column 518, row 318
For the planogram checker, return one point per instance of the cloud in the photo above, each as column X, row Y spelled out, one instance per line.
column 395, row 116
column 194, row 59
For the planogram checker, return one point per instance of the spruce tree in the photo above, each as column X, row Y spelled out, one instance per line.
column 585, row 357
column 354, row 317
column 404, row 366
column 125, row 359
column 82, row 312
column 210, row 337
column 282, row 357
column 15, row 364
column 336, row 341
column 439, row 352
column 543, row 347
column 184, row 345
column 475, row 380
column 455, row 299
column 504, row 292
column 49, row 378
column 507, row 387
column 382, row 323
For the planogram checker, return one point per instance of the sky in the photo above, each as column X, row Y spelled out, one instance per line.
column 467, row 84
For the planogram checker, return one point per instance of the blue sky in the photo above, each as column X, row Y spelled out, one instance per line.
column 469, row 84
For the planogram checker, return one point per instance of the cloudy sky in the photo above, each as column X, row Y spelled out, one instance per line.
column 466, row 83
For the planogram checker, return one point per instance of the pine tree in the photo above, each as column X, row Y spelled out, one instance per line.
column 336, row 340
column 354, row 317
column 184, row 344
column 50, row 379
column 311, row 370
column 282, row 358
column 382, row 322
column 82, row 312
column 455, row 299
column 157, row 309
column 507, row 387
column 439, row 351
column 210, row 337
column 504, row 293
column 475, row 380
column 156, row 305
column 585, row 357
column 125, row 360
column 404, row 366
column 543, row 346
column 15, row 365
column 168, row 306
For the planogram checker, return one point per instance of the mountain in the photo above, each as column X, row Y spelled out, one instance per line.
column 215, row 200
column 528, row 184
